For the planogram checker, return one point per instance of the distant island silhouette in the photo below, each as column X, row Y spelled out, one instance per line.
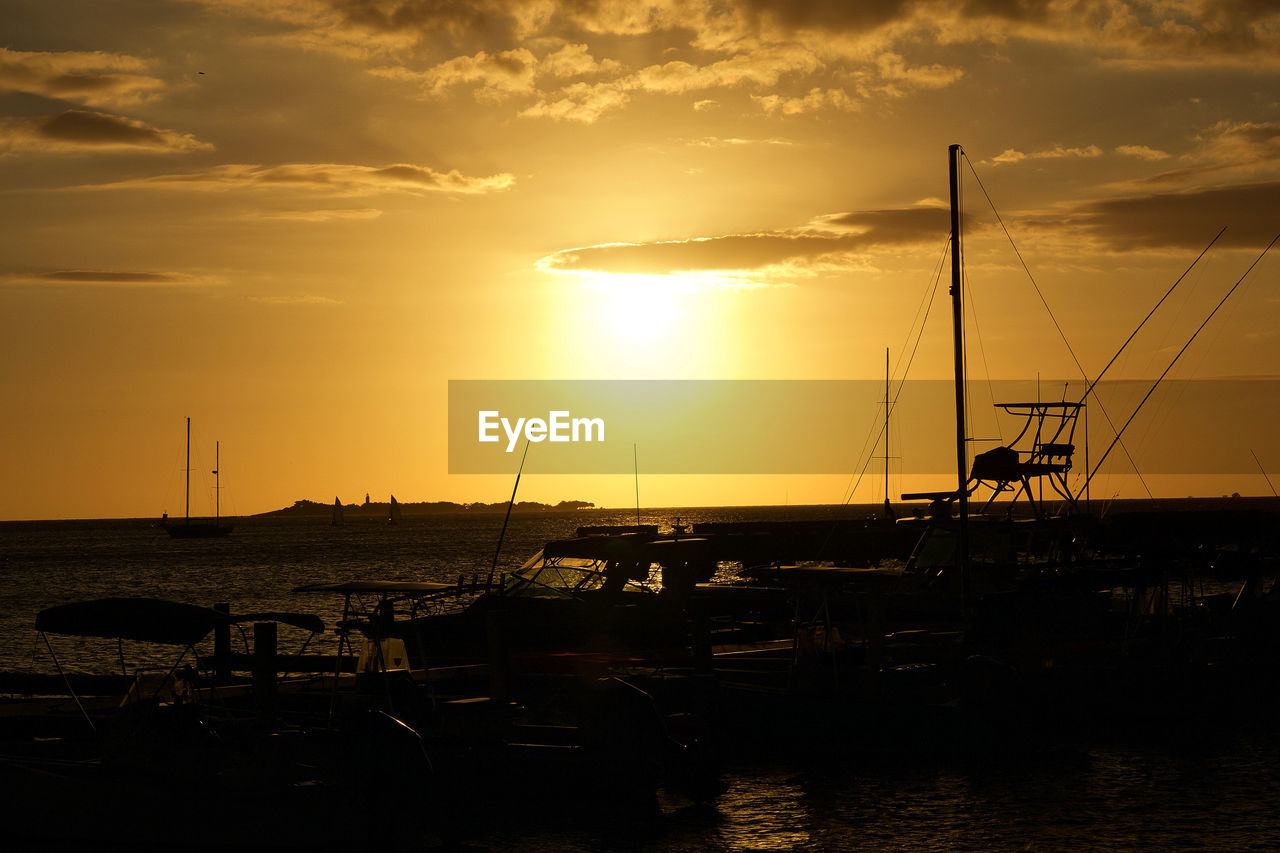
column 381, row 509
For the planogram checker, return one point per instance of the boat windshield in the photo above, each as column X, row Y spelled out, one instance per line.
column 559, row 577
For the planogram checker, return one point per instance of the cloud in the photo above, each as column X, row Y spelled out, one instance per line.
column 746, row 52
column 587, row 102
column 574, row 60
column 1142, row 152
column 759, row 67
column 496, row 76
column 1142, row 32
column 1181, row 220
column 1057, row 152
column 816, row 99
column 833, row 241
column 581, row 102
column 892, row 226
column 1151, row 222
column 892, row 67
column 1242, row 148
column 296, row 299
column 93, row 78
column 333, row 178
column 734, row 142
column 1190, row 33
column 81, row 130
column 794, row 57
column 1245, row 143
column 106, row 277
column 324, row 215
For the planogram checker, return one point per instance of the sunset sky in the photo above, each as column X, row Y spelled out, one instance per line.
column 296, row 220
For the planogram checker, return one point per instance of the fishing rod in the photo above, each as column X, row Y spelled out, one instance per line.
column 1156, row 384
column 1091, row 385
column 1264, row 472
column 510, row 504
column 1134, row 334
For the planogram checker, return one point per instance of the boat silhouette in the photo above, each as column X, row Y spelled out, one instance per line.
column 199, row 528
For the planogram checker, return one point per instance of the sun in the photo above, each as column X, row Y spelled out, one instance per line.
column 640, row 309
column 648, row 326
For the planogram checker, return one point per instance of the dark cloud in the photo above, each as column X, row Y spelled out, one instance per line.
column 1157, row 221
column 106, row 277
column 85, row 130
column 896, row 225
column 335, row 178
column 831, row 240
column 806, row 14
column 80, row 127
column 729, row 252
column 87, row 77
column 1187, row 220
column 456, row 18
column 1191, row 32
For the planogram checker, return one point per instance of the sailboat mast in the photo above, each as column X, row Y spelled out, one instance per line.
column 888, row 510
column 188, row 470
column 957, row 319
column 217, row 487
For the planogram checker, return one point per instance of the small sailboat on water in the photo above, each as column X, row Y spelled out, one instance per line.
column 199, row 528
column 337, row 520
column 393, row 516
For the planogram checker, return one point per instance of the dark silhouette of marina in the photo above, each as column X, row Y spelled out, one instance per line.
column 635, row 659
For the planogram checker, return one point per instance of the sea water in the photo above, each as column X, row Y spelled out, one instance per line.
column 1212, row 787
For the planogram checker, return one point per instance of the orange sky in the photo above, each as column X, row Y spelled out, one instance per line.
column 294, row 221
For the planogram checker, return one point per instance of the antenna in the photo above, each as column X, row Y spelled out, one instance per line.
column 510, row 504
column 635, row 461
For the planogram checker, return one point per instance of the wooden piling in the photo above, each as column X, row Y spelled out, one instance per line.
column 264, row 670
column 222, row 645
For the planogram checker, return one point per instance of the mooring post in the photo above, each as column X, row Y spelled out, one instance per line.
column 499, row 658
column 703, row 656
column 222, row 644
column 264, row 670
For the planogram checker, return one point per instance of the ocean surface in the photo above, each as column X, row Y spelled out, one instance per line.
column 1214, row 786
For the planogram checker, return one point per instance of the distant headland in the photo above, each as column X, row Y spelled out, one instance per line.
column 381, row 509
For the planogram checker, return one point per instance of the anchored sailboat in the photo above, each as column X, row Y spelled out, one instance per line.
column 199, row 528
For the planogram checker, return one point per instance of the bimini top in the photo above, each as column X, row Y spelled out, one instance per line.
column 376, row 586
column 625, row 547
column 151, row 620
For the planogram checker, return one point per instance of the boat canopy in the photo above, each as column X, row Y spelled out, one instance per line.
column 152, row 620
column 625, row 548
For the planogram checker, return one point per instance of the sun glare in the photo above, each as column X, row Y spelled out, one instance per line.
column 640, row 309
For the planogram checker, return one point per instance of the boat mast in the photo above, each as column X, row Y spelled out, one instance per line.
column 217, row 494
column 957, row 319
column 888, row 510
column 188, row 470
